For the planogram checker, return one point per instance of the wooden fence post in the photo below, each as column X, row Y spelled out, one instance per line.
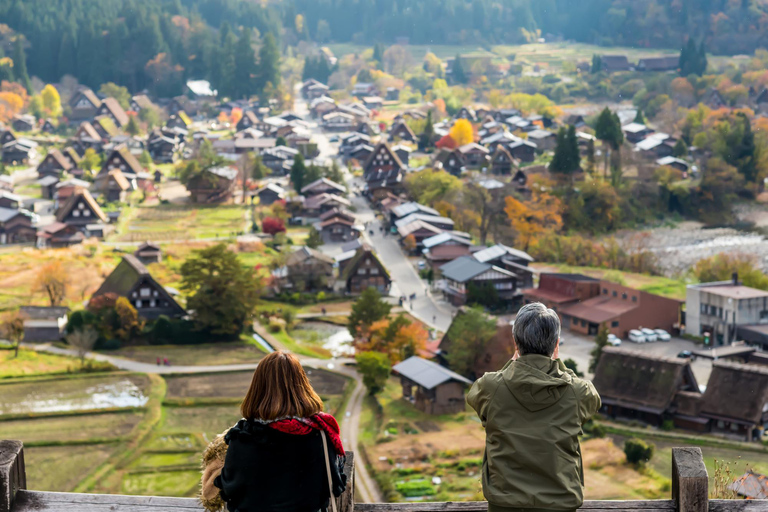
column 690, row 481
column 345, row 502
column 12, row 473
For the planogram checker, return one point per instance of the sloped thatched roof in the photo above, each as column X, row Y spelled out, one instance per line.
column 736, row 391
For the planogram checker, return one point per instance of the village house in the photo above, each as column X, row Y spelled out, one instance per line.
column 544, row 139
column 613, row 63
column 47, row 186
column 442, row 223
column 444, row 247
column 84, row 105
column 179, row 120
column 23, row 123
column 111, row 107
column 642, row 386
column 88, row 136
column 72, row 156
column 148, row 253
column 736, row 400
column 140, row 102
column 161, row 148
column 318, row 107
column 43, row 323
column 635, row 132
column 54, row 164
column 401, row 131
column 475, row 155
column 510, row 259
column 15, row 227
column 132, row 280
column 105, row 127
column 337, row 226
column 451, row 161
column 121, row 158
column 621, row 309
column 19, row 151
column 59, row 234
column 417, row 231
column 502, row 163
column 312, row 89
column 363, row 270
column 497, row 351
column 726, row 310
column 522, row 150
column 10, row 200
column 279, row 159
column 463, row 274
column 270, row 193
column 113, row 186
column 48, row 126
column 559, row 290
column 81, row 210
column 323, row 186
column 714, row 100
column 655, row 146
column 314, row 206
column 438, row 390
column 373, row 102
column 675, row 163
column 338, row 121
column 403, row 152
column 383, row 172
column 215, row 185
column 305, row 270
column 361, row 89
column 249, row 120
column 6, row 136
column 403, row 210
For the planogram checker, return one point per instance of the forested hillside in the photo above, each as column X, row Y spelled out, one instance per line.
column 159, row 43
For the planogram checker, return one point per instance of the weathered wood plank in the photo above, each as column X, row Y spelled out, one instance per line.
column 38, row 501
column 690, row 481
column 346, row 502
column 12, row 472
column 482, row 506
column 738, row 505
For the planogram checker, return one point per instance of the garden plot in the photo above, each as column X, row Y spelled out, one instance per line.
column 182, row 222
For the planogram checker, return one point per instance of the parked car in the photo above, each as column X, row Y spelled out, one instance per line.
column 421, row 264
column 650, row 334
column 636, row 336
column 685, row 354
column 662, row 335
column 614, row 340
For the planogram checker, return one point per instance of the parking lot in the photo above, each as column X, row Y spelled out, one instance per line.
column 578, row 348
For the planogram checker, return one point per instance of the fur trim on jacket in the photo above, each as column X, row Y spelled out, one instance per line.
column 212, row 464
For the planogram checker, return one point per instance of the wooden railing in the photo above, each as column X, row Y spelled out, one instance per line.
column 690, row 488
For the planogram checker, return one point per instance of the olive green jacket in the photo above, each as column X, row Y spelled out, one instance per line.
column 533, row 410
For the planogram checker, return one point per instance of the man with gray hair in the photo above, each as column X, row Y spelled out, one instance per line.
column 533, row 410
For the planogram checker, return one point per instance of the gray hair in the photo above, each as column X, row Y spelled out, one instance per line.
column 536, row 330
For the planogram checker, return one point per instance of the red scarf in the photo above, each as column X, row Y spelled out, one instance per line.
column 303, row 426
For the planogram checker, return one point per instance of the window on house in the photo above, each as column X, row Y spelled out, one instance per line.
column 634, row 298
column 145, row 292
column 615, row 293
column 624, row 296
column 720, row 312
column 583, row 323
column 615, row 323
column 138, row 303
column 152, row 303
column 374, row 271
column 87, row 213
column 605, row 291
column 361, row 271
column 76, row 213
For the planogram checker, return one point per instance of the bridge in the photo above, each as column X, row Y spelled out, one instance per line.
column 690, row 493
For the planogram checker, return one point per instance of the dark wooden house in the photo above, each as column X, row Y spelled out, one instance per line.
column 132, row 280
column 305, row 269
column 83, row 105
column 383, row 172
column 15, row 227
column 215, row 185
column 111, row 108
column 400, row 130
column 54, row 164
column 149, row 253
column 502, row 162
column 433, row 389
column 363, row 271
column 43, row 323
column 80, row 210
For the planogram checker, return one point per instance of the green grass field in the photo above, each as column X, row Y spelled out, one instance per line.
column 64, row 429
column 30, row 362
column 61, row 468
column 183, row 222
column 235, row 352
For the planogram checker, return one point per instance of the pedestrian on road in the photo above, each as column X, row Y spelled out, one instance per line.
column 434, row 319
column 165, row 362
column 285, row 454
column 158, row 361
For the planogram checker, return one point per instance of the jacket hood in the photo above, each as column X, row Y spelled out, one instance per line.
column 536, row 381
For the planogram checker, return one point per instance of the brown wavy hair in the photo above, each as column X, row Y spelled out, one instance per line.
column 280, row 388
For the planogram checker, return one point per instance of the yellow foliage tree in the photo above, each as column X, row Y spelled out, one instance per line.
column 462, row 132
column 399, row 338
column 10, row 105
column 534, row 218
column 51, row 101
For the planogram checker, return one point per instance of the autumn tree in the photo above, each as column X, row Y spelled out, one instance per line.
column 409, row 243
column 429, row 186
column 601, row 341
column 53, row 280
column 462, row 132
column 221, row 292
column 535, row 217
column 12, row 329
column 51, row 101
column 487, row 206
column 272, row 225
column 399, row 338
column 721, row 267
column 367, row 309
column 468, row 336
column 128, row 323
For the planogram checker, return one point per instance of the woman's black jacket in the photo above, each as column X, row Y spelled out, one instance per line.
column 266, row 470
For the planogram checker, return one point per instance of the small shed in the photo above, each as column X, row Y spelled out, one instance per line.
column 43, row 323
column 438, row 389
column 149, row 253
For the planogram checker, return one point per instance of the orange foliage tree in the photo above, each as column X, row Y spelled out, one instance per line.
column 399, row 339
column 236, row 116
column 534, row 218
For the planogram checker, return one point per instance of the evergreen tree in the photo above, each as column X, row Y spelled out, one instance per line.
column 366, row 310
column 680, row 150
column 378, row 54
column 245, row 66
column 745, row 150
column 458, row 73
column 702, row 60
column 6, row 68
column 298, row 173
column 639, row 117
column 269, row 64
column 597, row 64
column 224, row 79
column 567, row 159
column 20, row 65
column 428, row 134
column 132, row 128
column 591, row 157
column 693, row 60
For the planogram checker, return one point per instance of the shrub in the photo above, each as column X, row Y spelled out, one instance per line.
column 594, row 429
column 638, row 451
column 668, row 425
column 276, row 324
column 414, row 488
column 320, row 296
column 113, row 344
column 272, row 226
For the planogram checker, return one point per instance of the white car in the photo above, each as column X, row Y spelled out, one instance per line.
column 662, row 335
column 614, row 340
column 636, row 336
column 650, row 334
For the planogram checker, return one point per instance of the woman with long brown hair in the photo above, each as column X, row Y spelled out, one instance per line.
column 279, row 456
